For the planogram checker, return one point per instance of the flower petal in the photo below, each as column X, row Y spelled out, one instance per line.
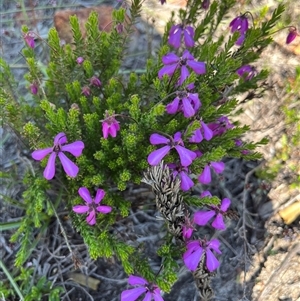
column 156, row 156
column 60, row 138
column 207, row 132
column 74, row 148
column 85, row 194
column 49, row 171
column 148, row 297
column 156, row 295
column 99, row 196
column 212, row 262
column 132, row 294
column 193, row 259
column 170, row 58
column 184, row 74
column 41, row 153
column 188, row 36
column 205, row 176
column 105, row 128
column 172, row 107
column 186, row 156
column 201, row 218
column 158, row 139
column 218, row 222
column 214, row 244
column 225, row 204
column 187, row 55
column 198, row 67
column 205, row 193
column 169, row 70
column 218, row 166
column 175, row 36
column 91, row 218
column 136, row 280
column 70, row 168
column 187, row 232
column 186, row 181
column 104, row 209
column 188, row 110
column 196, row 137
column 81, row 209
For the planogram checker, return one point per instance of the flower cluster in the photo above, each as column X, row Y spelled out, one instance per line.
column 71, row 169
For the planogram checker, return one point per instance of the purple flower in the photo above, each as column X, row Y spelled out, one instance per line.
column 186, row 102
column 194, row 253
column 86, row 91
column 183, row 174
column 173, row 62
column 34, row 88
column 246, row 72
column 176, row 33
column 79, row 60
column 29, row 39
column 95, row 81
column 57, row 149
column 201, row 218
column 241, row 25
column 110, row 126
column 220, row 126
column 188, row 228
column 203, row 132
column 205, row 176
column 119, row 28
column 205, row 4
column 163, row 1
column 186, row 156
column 292, row 35
column 151, row 290
column 92, row 205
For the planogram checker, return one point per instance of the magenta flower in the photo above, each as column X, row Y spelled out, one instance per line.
column 34, row 88
column 220, row 126
column 95, row 81
column 110, row 126
column 241, row 25
column 92, row 205
column 29, row 39
column 183, row 174
column 152, row 291
column 186, row 102
column 86, row 91
column 57, row 149
column 201, row 218
column 188, row 228
column 176, row 33
column 79, row 60
column 203, row 132
column 195, row 251
column 186, row 156
column 205, row 176
column 173, row 62
column 205, row 4
column 246, row 72
column 292, row 35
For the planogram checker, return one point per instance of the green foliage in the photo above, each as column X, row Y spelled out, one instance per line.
column 285, row 159
column 138, row 104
